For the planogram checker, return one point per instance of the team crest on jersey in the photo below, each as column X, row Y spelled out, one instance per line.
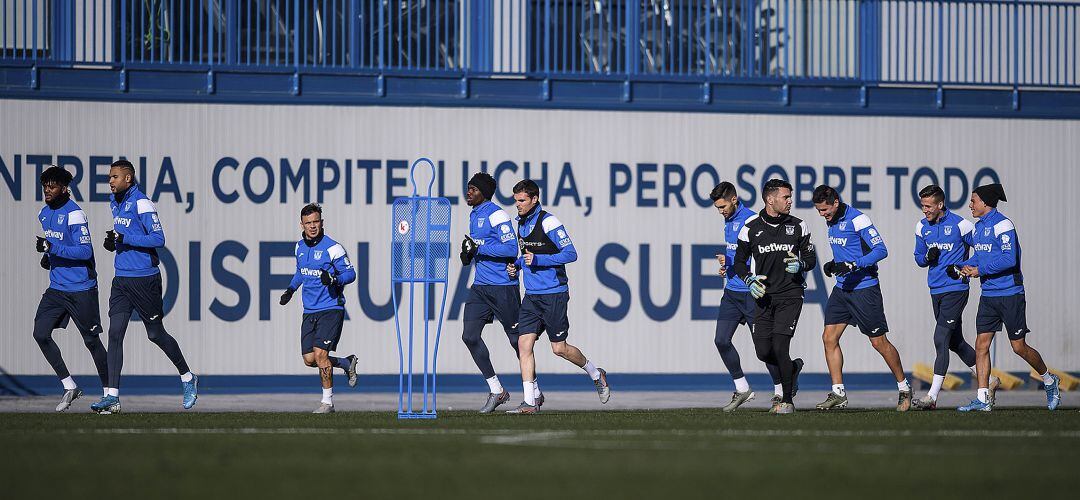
column 318, row 254
column 986, row 232
column 843, row 225
column 948, row 230
column 479, row 222
column 789, row 230
column 60, row 218
column 127, row 206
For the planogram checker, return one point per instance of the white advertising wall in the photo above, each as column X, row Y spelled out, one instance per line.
column 631, row 188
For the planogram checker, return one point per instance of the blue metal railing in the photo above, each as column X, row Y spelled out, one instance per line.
column 941, row 42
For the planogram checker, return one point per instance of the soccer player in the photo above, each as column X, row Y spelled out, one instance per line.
column 737, row 306
column 943, row 239
column 490, row 246
column 546, row 251
column 857, row 247
column 135, row 237
column 68, row 255
column 774, row 253
column 323, row 269
column 996, row 262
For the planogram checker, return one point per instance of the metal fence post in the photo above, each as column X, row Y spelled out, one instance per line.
column 633, row 22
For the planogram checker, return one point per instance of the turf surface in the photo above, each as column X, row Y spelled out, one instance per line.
column 1019, row 453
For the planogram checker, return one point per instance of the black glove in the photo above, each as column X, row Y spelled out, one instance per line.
column 287, row 296
column 932, row 255
column 834, row 268
column 468, row 250
column 45, row 264
column 43, row 245
column 111, row 239
column 953, row 272
column 326, row 278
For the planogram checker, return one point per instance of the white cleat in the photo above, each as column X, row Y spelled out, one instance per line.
column 324, row 408
column 70, row 395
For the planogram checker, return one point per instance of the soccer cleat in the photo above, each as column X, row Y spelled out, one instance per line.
column 351, row 371
column 602, row 388
column 903, row 403
column 69, row 396
column 494, row 400
column 324, row 408
column 524, row 409
column 191, row 392
column 995, row 384
column 785, row 409
column 1053, row 393
column 108, row 405
column 833, row 402
column 795, row 376
column 775, row 403
column 540, row 400
column 925, row 403
column 737, row 399
column 976, row 405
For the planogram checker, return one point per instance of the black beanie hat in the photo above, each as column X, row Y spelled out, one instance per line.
column 485, row 183
column 991, row 194
column 57, row 175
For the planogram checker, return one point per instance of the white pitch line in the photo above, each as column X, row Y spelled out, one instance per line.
column 507, row 436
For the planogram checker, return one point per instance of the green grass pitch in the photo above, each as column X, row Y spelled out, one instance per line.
column 1015, row 453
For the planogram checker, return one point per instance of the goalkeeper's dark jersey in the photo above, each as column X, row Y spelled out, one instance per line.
column 766, row 241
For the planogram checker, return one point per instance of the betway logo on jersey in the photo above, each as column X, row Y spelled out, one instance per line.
column 945, row 247
column 122, row 221
column 310, row 272
column 49, row 233
column 837, row 241
column 983, row 247
column 775, row 247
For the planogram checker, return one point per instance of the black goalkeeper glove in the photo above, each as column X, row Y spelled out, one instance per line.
column 287, row 296
column 953, row 272
column 326, row 278
column 45, row 264
column 469, row 248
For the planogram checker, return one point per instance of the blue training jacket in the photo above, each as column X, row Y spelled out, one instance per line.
column 326, row 254
column 137, row 219
column 854, row 238
column 997, row 255
column 71, row 254
column 952, row 234
column 547, row 274
column 491, row 229
column 732, row 226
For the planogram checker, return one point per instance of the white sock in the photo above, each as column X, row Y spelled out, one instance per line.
column 838, row 389
column 741, row 385
column 529, row 390
column 112, row 391
column 591, row 370
column 494, row 385
column 104, row 391
column 536, row 385
column 69, row 383
column 984, row 395
column 1047, row 378
column 778, row 389
column 187, row 377
column 328, row 396
column 935, row 386
column 903, row 386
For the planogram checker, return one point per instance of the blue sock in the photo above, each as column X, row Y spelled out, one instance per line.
column 342, row 363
